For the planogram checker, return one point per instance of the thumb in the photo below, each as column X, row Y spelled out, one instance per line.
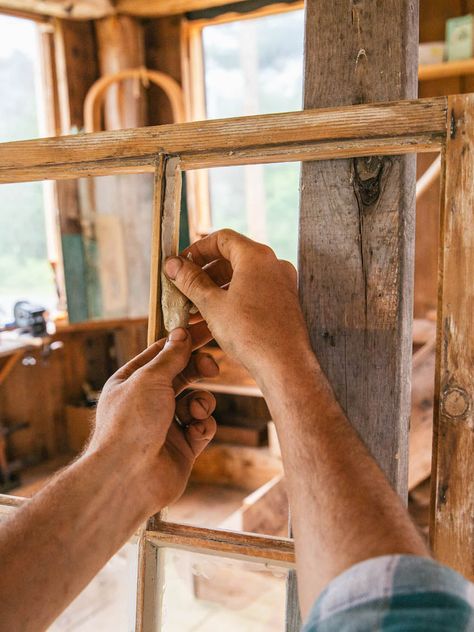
column 192, row 281
column 174, row 356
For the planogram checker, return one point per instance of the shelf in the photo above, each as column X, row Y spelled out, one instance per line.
column 446, row 69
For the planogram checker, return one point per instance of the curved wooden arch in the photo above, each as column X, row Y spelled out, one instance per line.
column 95, row 95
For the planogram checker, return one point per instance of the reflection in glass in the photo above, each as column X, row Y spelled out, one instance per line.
column 204, row 593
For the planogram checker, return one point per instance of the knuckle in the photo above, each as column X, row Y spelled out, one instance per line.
column 226, row 233
column 266, row 250
column 288, row 267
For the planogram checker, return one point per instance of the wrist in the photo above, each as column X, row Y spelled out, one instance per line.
column 281, row 374
column 124, row 475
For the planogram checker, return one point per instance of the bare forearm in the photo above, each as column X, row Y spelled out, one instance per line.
column 55, row 545
column 343, row 509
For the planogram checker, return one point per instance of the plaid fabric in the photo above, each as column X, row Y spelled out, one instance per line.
column 395, row 593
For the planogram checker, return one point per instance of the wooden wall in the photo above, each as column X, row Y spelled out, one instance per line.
column 162, row 50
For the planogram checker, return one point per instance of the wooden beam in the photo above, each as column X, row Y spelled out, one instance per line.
column 246, row 546
column 356, row 233
column 67, row 9
column 390, row 128
column 159, row 8
column 452, row 505
column 357, row 226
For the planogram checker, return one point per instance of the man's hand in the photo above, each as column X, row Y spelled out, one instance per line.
column 137, row 461
column 136, row 416
column 247, row 297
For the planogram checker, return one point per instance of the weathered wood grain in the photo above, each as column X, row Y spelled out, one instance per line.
column 155, row 316
column 79, row 9
column 356, row 231
column 174, row 305
column 251, row 547
column 452, row 505
column 400, row 127
column 357, row 226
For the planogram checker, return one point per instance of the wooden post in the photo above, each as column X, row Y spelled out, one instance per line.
column 452, row 503
column 75, row 71
column 356, row 235
column 120, row 47
column 357, row 225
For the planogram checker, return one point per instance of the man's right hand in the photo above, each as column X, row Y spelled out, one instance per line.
column 247, row 297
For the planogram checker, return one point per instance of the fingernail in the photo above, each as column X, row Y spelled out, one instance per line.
column 172, row 266
column 198, row 427
column 178, row 334
column 203, row 403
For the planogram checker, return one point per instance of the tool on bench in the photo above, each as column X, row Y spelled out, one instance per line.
column 30, row 318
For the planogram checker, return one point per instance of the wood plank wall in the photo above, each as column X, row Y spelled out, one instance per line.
column 76, row 70
column 163, row 52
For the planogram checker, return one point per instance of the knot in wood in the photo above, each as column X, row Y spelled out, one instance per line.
column 456, row 402
column 367, row 178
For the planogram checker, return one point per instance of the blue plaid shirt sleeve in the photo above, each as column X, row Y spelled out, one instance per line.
column 395, row 593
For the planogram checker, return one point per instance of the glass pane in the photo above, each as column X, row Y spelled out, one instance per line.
column 25, row 271
column 255, row 67
column 204, row 593
column 108, row 602
column 260, row 201
column 106, row 268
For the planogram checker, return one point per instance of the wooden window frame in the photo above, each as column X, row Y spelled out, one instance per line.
column 442, row 124
column 50, row 124
column 192, row 55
